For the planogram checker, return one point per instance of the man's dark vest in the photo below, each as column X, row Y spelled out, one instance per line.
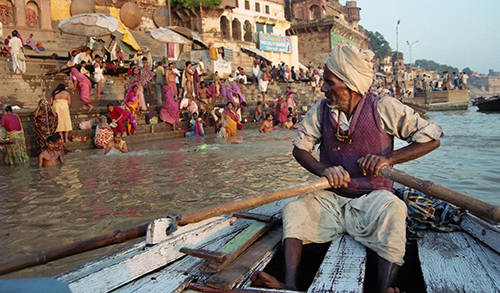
column 368, row 137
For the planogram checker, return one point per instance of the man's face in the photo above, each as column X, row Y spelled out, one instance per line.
column 171, row 66
column 51, row 146
column 270, row 118
column 110, row 109
column 336, row 92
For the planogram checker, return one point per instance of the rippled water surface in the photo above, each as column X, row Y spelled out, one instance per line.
column 92, row 194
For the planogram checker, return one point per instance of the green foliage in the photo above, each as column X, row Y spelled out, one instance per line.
column 467, row 70
column 430, row 65
column 379, row 45
column 188, row 4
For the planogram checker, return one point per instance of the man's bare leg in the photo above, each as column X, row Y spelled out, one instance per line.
column 293, row 254
column 387, row 273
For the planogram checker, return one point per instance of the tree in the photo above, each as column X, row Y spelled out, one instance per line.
column 430, row 65
column 379, row 45
column 188, row 4
column 467, row 71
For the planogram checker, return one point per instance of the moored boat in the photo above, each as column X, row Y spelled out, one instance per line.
column 221, row 253
column 442, row 100
column 487, row 104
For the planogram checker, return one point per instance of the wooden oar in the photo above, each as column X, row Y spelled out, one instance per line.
column 120, row 236
column 438, row 191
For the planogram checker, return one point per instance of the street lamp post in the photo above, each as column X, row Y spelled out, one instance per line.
column 411, row 64
column 397, row 43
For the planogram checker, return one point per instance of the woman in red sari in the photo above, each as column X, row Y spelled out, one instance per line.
column 82, row 83
column 170, row 109
column 281, row 111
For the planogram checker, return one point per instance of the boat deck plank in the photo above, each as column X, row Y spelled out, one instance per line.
column 228, row 277
column 342, row 269
column 456, row 262
column 105, row 275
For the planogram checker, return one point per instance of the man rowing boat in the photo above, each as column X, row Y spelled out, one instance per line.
column 356, row 131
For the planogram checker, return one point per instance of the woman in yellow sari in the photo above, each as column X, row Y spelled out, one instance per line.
column 131, row 104
column 232, row 119
column 15, row 153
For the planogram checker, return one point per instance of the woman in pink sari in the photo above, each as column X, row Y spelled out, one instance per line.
column 82, row 83
column 169, row 112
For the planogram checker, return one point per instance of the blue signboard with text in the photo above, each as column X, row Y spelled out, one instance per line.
column 275, row 43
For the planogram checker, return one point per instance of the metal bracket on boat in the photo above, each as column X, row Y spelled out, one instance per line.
column 160, row 229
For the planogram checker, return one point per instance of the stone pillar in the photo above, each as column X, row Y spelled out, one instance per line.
column 45, row 16
column 20, row 13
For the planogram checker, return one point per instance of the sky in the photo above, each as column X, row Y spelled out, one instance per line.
column 459, row 33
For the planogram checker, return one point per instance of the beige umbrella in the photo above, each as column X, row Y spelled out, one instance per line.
column 256, row 53
column 89, row 25
column 189, row 34
column 167, row 36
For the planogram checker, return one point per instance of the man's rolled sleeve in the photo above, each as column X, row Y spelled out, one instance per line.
column 310, row 133
column 402, row 122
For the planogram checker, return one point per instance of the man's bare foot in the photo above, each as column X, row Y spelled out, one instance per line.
column 261, row 279
column 90, row 108
column 83, row 107
column 392, row 290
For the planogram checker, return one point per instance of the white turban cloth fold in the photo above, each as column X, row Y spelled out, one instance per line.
column 353, row 66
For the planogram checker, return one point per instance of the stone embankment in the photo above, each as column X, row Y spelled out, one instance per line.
column 26, row 90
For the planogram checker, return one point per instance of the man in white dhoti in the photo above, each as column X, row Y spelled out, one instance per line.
column 355, row 130
column 17, row 53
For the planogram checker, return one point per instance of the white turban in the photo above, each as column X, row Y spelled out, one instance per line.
column 353, row 66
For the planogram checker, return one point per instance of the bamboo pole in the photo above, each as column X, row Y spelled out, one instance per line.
column 120, row 236
column 438, row 191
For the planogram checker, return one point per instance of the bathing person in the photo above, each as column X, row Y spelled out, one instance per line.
column 267, row 125
column 50, row 156
column 117, row 145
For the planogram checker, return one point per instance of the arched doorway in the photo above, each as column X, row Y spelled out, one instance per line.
column 32, row 15
column 315, row 12
column 236, row 27
column 6, row 12
column 224, row 27
column 248, row 31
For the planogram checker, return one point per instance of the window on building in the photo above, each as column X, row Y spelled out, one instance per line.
column 267, row 9
column 237, row 3
column 247, row 5
column 259, row 27
column 257, row 7
column 269, row 28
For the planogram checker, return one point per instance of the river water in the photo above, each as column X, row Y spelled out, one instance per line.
column 92, row 194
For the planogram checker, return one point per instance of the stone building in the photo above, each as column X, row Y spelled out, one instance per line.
column 242, row 23
column 25, row 14
column 489, row 83
column 329, row 21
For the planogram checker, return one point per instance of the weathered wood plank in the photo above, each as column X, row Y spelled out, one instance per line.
column 249, row 260
column 342, row 269
column 237, row 245
column 455, row 262
column 109, row 273
column 482, row 230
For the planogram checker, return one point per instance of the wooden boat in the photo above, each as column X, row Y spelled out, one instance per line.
column 487, row 104
column 442, row 100
column 221, row 253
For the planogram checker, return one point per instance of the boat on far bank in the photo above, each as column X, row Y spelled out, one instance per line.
column 441, row 100
column 487, row 104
